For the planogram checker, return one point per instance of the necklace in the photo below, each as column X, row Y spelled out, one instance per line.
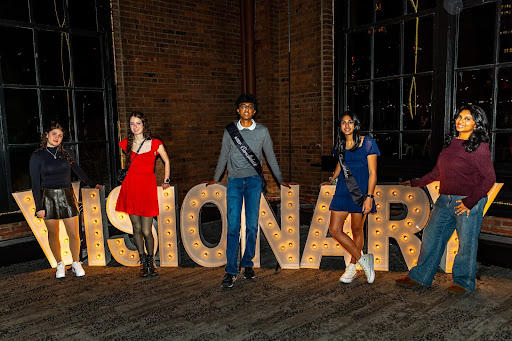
column 54, row 155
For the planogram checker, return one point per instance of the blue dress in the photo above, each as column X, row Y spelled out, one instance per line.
column 357, row 162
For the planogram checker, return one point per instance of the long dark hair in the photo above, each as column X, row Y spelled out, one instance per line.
column 340, row 139
column 146, row 133
column 60, row 148
column 480, row 133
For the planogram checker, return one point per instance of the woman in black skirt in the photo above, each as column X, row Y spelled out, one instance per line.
column 50, row 172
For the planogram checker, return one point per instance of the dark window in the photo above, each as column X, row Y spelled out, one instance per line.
column 475, row 87
column 22, row 116
column 387, row 50
column 53, row 53
column 418, row 44
column 87, row 61
column 90, row 116
column 358, row 55
column 361, row 12
column 386, row 104
column 57, row 105
column 49, row 12
column 358, row 102
column 421, row 5
column 82, row 14
column 14, row 10
column 17, row 56
column 386, row 9
column 417, row 103
column 504, row 109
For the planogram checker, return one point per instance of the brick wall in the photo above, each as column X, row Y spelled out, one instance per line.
column 15, row 230
column 179, row 62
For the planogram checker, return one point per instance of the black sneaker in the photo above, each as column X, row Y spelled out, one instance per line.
column 249, row 273
column 227, row 281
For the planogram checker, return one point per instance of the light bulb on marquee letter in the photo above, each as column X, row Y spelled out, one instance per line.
column 96, row 227
column 25, row 201
column 317, row 243
column 121, row 221
column 204, row 255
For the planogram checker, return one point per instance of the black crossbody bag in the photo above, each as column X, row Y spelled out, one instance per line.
column 350, row 181
column 121, row 174
column 246, row 151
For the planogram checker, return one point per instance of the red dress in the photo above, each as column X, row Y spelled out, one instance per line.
column 138, row 194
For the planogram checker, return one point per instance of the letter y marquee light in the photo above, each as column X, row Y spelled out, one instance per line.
column 125, row 255
column 453, row 243
column 200, row 251
column 25, row 201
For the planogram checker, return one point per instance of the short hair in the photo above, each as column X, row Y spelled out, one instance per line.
column 247, row 98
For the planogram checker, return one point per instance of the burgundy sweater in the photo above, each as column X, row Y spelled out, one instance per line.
column 462, row 173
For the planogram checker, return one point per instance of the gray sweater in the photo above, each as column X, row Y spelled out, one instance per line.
column 238, row 167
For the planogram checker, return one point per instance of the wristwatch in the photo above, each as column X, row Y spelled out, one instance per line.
column 167, row 180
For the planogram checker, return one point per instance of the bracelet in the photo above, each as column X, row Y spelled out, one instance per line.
column 370, row 196
column 166, row 181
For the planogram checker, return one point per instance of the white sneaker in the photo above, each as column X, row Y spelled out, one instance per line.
column 366, row 263
column 61, row 270
column 350, row 274
column 77, row 269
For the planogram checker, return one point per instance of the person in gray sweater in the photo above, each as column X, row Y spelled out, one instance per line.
column 244, row 182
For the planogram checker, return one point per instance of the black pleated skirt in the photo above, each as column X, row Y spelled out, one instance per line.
column 59, row 203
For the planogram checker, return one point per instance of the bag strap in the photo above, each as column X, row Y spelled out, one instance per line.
column 350, row 181
column 247, row 152
column 136, row 153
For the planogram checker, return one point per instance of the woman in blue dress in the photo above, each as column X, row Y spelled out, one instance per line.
column 360, row 157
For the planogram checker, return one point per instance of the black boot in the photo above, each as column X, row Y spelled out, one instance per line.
column 144, row 270
column 153, row 271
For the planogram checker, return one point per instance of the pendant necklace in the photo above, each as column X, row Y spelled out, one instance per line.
column 54, row 155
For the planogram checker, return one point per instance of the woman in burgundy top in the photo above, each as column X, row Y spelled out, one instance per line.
column 466, row 173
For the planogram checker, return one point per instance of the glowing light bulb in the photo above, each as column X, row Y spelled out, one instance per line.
column 167, row 207
column 203, row 194
column 121, row 217
column 349, row 234
column 118, row 242
column 194, row 203
column 395, row 193
column 43, row 231
column 39, row 221
column 219, row 254
column 166, row 193
column 310, row 259
column 276, row 235
column 65, row 253
column 290, row 230
column 95, row 221
column 97, row 244
column 326, row 246
column 290, row 218
column 269, row 224
column 290, row 258
column 121, row 252
column 455, row 252
column 456, row 239
column 290, row 193
column 411, row 251
column 377, row 260
column 326, row 193
column 290, row 244
column 377, row 232
column 405, row 237
column 313, row 246
column 191, row 217
column 411, row 196
column 66, row 240
column 378, row 206
column 192, row 231
column 132, row 256
column 378, row 219
column 317, row 233
column 96, row 233
column 377, row 246
column 33, row 209
column 283, row 247
column 378, row 193
column 98, row 256
column 205, row 255
column 93, row 195
column 320, row 220
column 417, row 210
column 168, row 233
column 27, row 199
column 409, row 223
column 196, row 244
column 290, row 204
column 324, row 207
column 436, row 187
column 217, row 194
column 114, row 204
column 94, row 209
column 393, row 227
column 338, row 246
column 169, row 257
column 169, row 245
column 168, row 221
column 263, row 213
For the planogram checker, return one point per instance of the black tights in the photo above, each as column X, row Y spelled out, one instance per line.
column 142, row 233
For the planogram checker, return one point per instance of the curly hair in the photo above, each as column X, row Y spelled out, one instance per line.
column 480, row 133
column 247, row 98
column 146, row 133
column 60, row 148
column 340, row 139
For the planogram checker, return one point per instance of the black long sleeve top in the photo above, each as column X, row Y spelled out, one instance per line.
column 48, row 172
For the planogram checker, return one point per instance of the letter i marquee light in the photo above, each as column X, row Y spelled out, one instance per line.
column 96, row 226
column 25, row 201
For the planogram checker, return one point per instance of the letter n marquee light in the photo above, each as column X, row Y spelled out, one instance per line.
column 25, row 201
column 318, row 244
column 199, row 250
column 381, row 227
column 122, row 249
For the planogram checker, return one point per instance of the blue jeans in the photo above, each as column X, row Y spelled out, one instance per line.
column 248, row 188
column 443, row 220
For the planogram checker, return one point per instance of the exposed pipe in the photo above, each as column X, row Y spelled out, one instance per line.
column 250, row 70
column 242, row 45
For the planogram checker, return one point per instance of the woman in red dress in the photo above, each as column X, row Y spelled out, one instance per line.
column 138, row 195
